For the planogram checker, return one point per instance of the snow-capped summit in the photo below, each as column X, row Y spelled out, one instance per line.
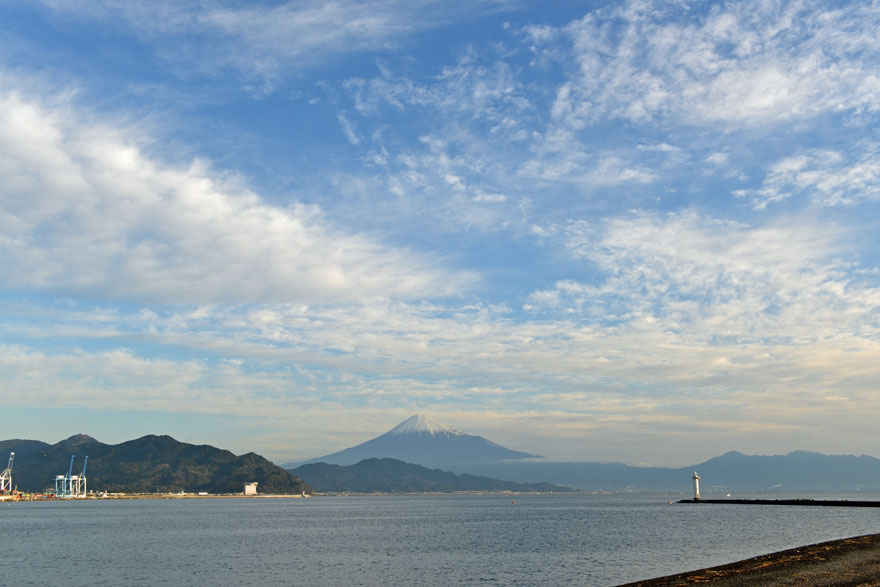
column 423, row 441
column 421, row 424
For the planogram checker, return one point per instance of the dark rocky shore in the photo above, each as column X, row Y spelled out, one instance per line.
column 844, row 563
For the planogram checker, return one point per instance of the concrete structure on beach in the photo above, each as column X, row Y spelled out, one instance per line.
column 250, row 488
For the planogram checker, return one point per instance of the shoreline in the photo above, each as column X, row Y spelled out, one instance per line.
column 842, row 562
column 25, row 498
column 30, row 498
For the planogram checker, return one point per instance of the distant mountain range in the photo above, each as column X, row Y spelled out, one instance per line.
column 420, row 440
column 423, row 441
column 146, row 465
column 468, row 463
column 730, row 472
column 394, row 476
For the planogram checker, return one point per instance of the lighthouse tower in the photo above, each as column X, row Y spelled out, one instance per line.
column 696, row 479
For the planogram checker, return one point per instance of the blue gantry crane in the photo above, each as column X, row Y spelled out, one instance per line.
column 70, row 485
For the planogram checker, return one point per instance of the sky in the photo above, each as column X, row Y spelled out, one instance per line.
column 640, row 231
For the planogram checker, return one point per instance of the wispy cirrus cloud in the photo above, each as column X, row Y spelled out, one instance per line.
column 713, row 278
column 84, row 210
column 478, row 128
column 726, row 318
column 826, row 177
column 264, row 42
column 623, row 69
column 736, row 64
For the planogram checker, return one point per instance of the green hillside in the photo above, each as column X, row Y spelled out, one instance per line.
column 146, row 465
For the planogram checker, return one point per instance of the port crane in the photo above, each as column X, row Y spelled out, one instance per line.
column 71, row 485
column 62, row 482
column 6, row 476
column 78, row 482
column 67, row 487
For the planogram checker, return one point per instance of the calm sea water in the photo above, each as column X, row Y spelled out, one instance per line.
column 398, row 540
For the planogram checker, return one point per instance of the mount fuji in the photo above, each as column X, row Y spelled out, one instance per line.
column 423, row 441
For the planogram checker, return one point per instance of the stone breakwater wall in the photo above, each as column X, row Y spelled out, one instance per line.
column 807, row 502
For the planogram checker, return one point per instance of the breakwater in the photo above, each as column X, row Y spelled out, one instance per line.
column 825, row 563
column 808, row 502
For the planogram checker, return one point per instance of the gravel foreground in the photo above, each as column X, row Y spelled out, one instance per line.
column 846, row 562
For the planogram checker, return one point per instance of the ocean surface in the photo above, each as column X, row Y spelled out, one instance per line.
column 401, row 540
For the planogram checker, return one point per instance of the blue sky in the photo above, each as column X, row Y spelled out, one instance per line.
column 635, row 231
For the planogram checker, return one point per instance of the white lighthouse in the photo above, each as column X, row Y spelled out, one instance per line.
column 696, row 479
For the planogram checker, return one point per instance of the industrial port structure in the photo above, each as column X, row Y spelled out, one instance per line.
column 75, row 486
column 71, row 486
column 6, row 477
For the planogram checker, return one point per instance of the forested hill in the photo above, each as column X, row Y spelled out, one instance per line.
column 394, row 476
column 146, row 465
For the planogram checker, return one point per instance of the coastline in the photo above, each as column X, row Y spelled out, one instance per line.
column 843, row 562
column 26, row 498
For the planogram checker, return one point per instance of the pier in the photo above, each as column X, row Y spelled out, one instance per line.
column 796, row 501
column 809, row 502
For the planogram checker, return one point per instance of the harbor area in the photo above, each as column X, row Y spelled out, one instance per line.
column 28, row 497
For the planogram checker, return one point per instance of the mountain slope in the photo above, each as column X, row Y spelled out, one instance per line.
column 422, row 441
column 733, row 471
column 588, row 476
column 21, row 448
column 394, row 476
column 799, row 469
column 149, row 464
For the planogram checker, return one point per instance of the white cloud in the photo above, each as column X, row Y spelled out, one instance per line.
column 481, row 89
column 705, row 281
column 348, row 129
column 741, row 64
column 563, row 157
column 116, row 379
column 263, row 42
column 612, row 171
column 726, row 326
column 690, row 321
column 84, row 210
column 829, row 178
column 712, row 317
column 718, row 159
column 490, row 198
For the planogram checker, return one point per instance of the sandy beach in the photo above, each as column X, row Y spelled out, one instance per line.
column 846, row 562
